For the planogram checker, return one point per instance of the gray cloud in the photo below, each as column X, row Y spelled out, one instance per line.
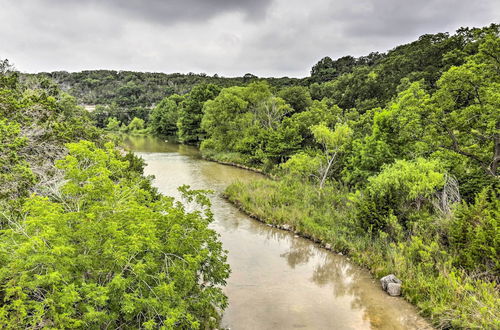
column 228, row 37
column 168, row 12
column 400, row 18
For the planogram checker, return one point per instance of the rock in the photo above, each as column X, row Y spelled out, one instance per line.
column 389, row 279
column 328, row 246
column 340, row 254
column 394, row 289
column 286, row 227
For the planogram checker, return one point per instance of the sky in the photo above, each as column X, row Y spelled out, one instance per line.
column 225, row 37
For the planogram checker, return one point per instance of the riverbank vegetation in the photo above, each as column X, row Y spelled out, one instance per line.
column 391, row 158
column 85, row 240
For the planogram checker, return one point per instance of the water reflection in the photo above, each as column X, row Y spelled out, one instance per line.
column 299, row 253
column 152, row 144
column 278, row 281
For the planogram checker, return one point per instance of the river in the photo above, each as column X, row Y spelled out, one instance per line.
column 278, row 280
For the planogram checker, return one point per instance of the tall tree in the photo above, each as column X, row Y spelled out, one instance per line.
column 333, row 143
column 191, row 113
column 164, row 117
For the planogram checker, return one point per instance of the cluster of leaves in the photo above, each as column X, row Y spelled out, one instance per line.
column 15, row 175
column 36, row 120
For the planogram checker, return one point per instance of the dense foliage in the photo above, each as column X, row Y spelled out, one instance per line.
column 85, row 241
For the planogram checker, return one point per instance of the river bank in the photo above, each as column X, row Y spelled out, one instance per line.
column 447, row 297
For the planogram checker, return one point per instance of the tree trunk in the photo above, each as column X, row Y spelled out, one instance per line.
column 496, row 156
column 323, row 179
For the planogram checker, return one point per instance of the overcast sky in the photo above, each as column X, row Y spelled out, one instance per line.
column 227, row 37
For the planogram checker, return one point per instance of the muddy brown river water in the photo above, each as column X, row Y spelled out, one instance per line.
column 278, row 280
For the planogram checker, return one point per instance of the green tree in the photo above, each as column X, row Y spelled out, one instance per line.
column 16, row 176
column 270, row 111
column 297, row 97
column 333, row 143
column 475, row 234
column 225, row 120
column 398, row 190
column 319, row 112
column 113, row 124
column 303, row 166
column 164, row 117
column 467, row 104
column 191, row 113
column 135, row 125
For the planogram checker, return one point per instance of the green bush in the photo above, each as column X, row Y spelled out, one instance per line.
column 400, row 189
column 475, row 234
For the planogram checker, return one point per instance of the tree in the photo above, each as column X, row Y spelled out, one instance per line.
column 269, row 112
column 164, row 117
column 113, row 124
column 475, row 234
column 303, row 166
column 191, row 113
column 398, row 190
column 327, row 69
column 135, row 125
column 319, row 112
column 467, row 104
column 16, row 176
column 333, row 142
column 297, row 97
column 225, row 120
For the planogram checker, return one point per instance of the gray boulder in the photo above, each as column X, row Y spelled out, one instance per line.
column 389, row 279
column 394, row 289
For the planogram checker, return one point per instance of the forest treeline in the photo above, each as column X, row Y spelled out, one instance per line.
column 126, row 94
column 392, row 158
column 85, row 241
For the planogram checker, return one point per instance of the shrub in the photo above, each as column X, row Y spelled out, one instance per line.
column 475, row 234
